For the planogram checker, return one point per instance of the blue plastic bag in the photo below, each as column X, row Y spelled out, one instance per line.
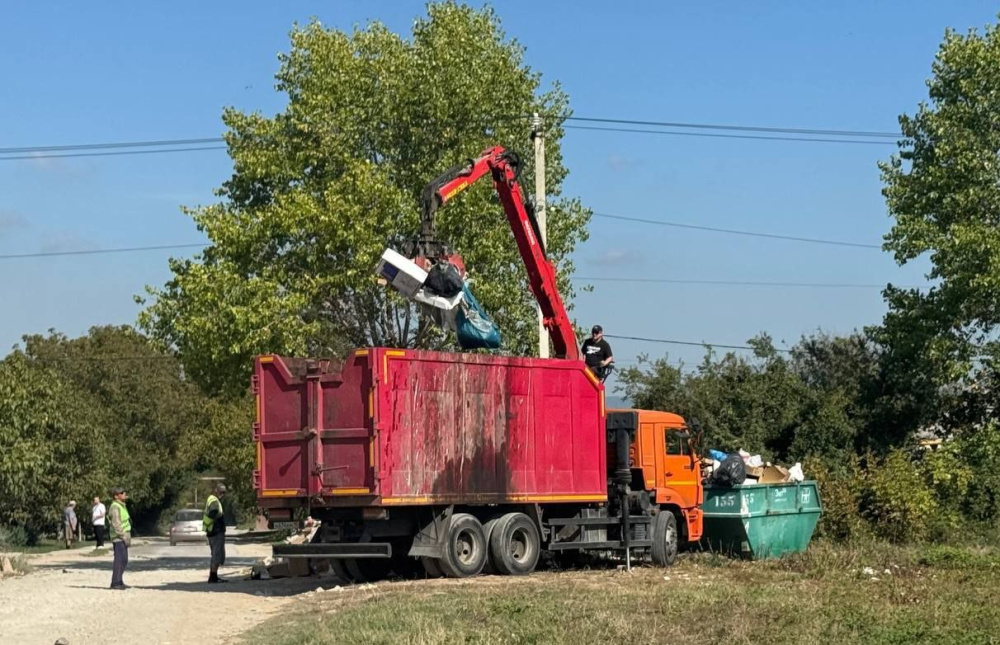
column 717, row 455
column 474, row 327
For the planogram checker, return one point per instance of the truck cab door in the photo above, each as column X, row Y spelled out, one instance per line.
column 679, row 475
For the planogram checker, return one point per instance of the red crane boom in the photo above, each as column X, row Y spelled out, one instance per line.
column 504, row 166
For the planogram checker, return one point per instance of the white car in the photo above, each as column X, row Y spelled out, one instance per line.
column 187, row 527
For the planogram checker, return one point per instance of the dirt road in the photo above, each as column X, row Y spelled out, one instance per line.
column 67, row 596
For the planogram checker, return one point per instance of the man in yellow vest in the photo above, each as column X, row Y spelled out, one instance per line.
column 121, row 536
column 214, row 523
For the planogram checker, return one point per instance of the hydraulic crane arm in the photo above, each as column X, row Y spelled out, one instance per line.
column 504, row 165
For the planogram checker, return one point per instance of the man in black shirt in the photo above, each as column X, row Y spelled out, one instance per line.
column 597, row 352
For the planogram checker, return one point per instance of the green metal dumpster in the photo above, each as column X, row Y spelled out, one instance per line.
column 761, row 520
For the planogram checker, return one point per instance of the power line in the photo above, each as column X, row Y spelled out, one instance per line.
column 130, row 249
column 121, row 144
column 750, row 283
column 729, row 136
column 730, row 231
column 38, row 152
column 604, row 215
column 688, row 343
column 111, row 154
column 741, row 128
column 810, row 132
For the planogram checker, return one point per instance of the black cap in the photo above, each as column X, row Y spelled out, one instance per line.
column 596, row 329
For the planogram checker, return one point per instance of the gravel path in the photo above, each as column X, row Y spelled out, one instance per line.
column 67, row 596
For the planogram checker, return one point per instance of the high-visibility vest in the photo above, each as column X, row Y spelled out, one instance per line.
column 126, row 520
column 207, row 522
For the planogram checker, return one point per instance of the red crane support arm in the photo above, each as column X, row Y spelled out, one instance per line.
column 504, row 165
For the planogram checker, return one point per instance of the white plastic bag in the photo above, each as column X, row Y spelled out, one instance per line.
column 795, row 473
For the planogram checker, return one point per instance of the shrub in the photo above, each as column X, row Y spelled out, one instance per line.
column 896, row 499
column 13, row 537
column 839, row 491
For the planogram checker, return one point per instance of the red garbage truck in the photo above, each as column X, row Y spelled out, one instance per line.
column 456, row 463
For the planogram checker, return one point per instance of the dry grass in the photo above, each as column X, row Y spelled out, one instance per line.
column 930, row 595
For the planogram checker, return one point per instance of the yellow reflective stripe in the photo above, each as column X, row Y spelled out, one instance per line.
column 423, row 499
column 286, row 492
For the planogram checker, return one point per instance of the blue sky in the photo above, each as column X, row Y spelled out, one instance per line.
column 80, row 73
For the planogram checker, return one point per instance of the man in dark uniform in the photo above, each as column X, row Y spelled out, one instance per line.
column 597, row 352
column 214, row 522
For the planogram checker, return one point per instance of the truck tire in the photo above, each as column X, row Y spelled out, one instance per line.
column 489, row 568
column 367, row 569
column 339, row 569
column 401, row 563
column 515, row 545
column 431, row 567
column 664, row 549
column 465, row 547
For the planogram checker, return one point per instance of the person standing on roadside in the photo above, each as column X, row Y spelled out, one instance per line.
column 70, row 523
column 121, row 536
column 98, row 512
column 214, row 524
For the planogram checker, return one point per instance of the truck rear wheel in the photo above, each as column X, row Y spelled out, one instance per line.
column 340, row 569
column 431, row 567
column 515, row 545
column 465, row 547
column 664, row 549
column 367, row 569
column 489, row 567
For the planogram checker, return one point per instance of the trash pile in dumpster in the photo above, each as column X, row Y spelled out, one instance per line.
column 737, row 468
column 442, row 292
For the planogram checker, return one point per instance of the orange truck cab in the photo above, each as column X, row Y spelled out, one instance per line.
column 664, row 469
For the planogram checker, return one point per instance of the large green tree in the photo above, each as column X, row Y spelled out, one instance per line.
column 52, row 445
column 144, row 410
column 943, row 191
column 321, row 188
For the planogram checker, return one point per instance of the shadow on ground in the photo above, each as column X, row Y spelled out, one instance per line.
column 281, row 588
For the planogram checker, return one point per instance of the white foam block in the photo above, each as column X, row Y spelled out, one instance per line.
column 402, row 273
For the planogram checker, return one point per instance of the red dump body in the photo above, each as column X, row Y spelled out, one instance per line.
column 405, row 427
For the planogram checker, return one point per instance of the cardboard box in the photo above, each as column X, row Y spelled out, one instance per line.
column 773, row 475
column 754, row 472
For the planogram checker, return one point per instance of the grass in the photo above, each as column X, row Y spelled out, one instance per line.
column 830, row 594
column 43, row 546
column 97, row 552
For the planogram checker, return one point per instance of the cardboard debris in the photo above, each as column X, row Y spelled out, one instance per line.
column 773, row 475
column 269, row 567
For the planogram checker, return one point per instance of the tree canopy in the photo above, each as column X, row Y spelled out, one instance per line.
column 320, row 189
column 78, row 416
column 943, row 191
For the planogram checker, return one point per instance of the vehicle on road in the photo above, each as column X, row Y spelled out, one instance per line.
column 187, row 527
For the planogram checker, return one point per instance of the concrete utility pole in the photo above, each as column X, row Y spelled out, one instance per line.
column 538, row 136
